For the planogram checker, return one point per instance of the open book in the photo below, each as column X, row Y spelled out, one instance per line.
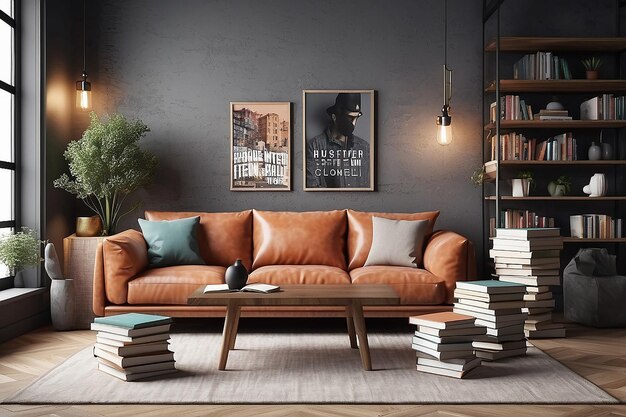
column 257, row 287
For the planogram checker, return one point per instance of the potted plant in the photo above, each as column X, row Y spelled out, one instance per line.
column 20, row 250
column 560, row 187
column 521, row 184
column 592, row 65
column 106, row 165
column 479, row 176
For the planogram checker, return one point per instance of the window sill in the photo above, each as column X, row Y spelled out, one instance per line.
column 15, row 294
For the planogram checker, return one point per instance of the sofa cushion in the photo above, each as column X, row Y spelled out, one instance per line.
column 360, row 232
column 222, row 237
column 172, row 284
column 299, row 274
column 172, row 242
column 413, row 285
column 291, row 238
column 124, row 255
column 397, row 242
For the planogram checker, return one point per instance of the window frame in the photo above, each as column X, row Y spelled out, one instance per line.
column 15, row 166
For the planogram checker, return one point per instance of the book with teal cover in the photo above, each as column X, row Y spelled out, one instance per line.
column 134, row 320
column 491, row 286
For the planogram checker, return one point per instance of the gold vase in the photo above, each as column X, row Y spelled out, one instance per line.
column 88, row 226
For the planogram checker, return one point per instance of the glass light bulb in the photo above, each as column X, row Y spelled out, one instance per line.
column 444, row 134
column 83, row 100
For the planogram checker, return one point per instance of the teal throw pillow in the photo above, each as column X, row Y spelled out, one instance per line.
column 172, row 242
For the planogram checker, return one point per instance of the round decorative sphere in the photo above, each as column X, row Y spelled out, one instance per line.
column 554, row 105
column 236, row 275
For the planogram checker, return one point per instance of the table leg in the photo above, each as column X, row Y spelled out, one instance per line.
column 359, row 324
column 351, row 332
column 229, row 321
column 233, row 335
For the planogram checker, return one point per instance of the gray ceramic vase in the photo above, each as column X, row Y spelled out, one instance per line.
column 236, row 275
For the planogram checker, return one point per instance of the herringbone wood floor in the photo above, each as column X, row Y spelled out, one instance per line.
column 598, row 355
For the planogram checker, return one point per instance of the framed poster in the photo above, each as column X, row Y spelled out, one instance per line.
column 338, row 140
column 260, row 143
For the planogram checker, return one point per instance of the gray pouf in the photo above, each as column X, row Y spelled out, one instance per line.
column 593, row 293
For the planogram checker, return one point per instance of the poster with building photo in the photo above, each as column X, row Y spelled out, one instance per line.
column 260, row 146
column 338, row 136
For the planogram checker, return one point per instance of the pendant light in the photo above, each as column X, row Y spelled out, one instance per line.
column 444, row 122
column 83, row 87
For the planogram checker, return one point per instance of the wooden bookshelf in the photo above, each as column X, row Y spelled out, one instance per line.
column 576, row 44
column 559, row 86
column 573, row 163
column 566, row 198
column 558, row 124
column 591, row 240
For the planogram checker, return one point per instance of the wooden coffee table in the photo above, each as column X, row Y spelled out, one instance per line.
column 352, row 297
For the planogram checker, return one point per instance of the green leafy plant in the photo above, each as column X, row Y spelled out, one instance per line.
column 479, row 176
column 20, row 250
column 106, row 165
column 527, row 175
column 592, row 64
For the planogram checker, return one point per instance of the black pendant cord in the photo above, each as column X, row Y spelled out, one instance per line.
column 84, row 41
column 445, row 34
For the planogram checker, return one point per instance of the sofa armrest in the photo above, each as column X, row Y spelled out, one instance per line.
column 99, row 297
column 124, row 256
column 451, row 257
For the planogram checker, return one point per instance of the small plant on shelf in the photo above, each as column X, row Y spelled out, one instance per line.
column 560, row 187
column 522, row 183
column 592, row 66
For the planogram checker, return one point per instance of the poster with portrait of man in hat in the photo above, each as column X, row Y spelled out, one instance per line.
column 338, row 130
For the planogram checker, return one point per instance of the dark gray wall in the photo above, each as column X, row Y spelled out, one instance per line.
column 176, row 66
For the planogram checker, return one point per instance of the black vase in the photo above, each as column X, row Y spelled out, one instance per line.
column 236, row 275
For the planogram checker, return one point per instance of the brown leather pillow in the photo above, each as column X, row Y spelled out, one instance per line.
column 291, row 238
column 125, row 255
column 222, row 237
column 360, row 231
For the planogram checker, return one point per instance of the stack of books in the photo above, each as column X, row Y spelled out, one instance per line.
column 443, row 342
column 496, row 305
column 532, row 257
column 545, row 114
column 133, row 346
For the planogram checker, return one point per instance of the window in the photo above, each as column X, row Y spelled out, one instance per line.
column 8, row 117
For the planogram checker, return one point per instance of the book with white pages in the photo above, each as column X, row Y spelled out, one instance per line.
column 537, row 310
column 442, row 347
column 528, row 233
column 526, row 272
column 494, row 320
column 118, row 340
column 541, row 288
column 494, row 325
column 493, row 355
column 495, row 305
column 135, row 350
column 149, row 367
column 552, row 265
column 132, row 377
column 538, row 296
column 487, row 311
column 544, row 253
column 443, row 355
column 506, row 330
column 442, row 371
column 457, row 364
column 254, row 287
column 528, row 262
column 500, row 346
column 130, row 332
column 445, row 339
column 452, row 332
column 481, row 296
column 534, row 280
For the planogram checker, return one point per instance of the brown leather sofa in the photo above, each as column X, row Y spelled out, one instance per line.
column 325, row 247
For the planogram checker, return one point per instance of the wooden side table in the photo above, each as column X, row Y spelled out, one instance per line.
column 79, row 257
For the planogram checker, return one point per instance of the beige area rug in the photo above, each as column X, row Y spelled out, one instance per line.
column 311, row 368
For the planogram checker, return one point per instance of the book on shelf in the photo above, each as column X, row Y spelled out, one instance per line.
column 595, row 226
column 254, row 287
column 516, row 219
column 545, row 114
column 604, row 107
column 511, row 109
column 541, row 66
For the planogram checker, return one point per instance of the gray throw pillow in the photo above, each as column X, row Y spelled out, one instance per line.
column 397, row 242
column 172, row 242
